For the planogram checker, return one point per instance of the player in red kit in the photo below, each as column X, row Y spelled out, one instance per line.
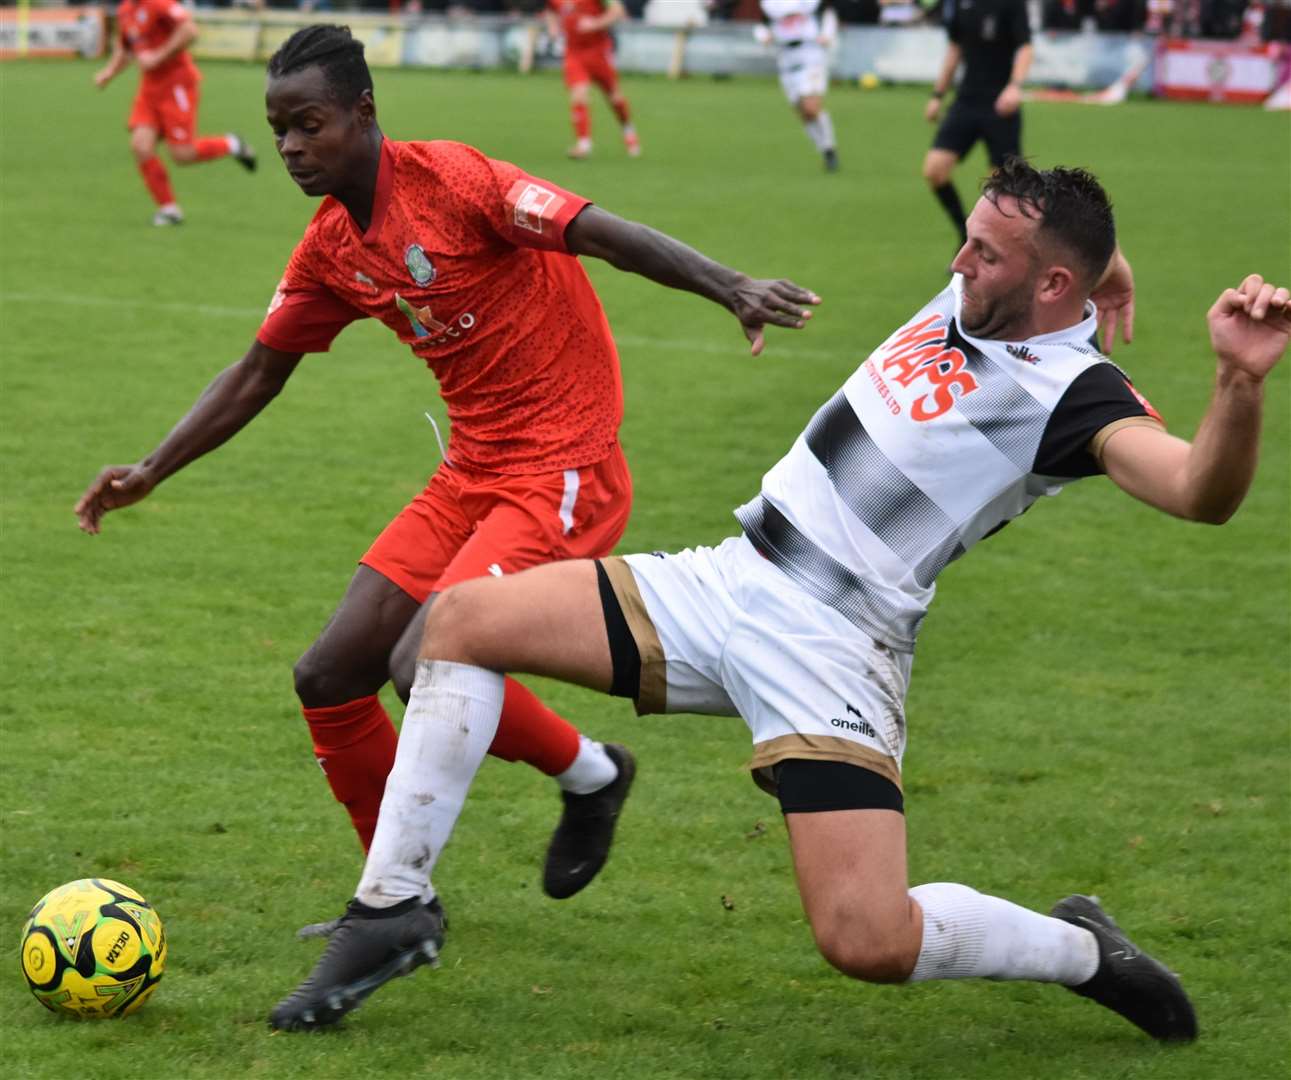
column 589, row 58
column 470, row 261
column 157, row 34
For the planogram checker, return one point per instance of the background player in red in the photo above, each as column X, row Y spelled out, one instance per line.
column 157, row 34
column 470, row 262
column 589, row 58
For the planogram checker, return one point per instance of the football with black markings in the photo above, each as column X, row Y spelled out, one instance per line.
column 93, row 948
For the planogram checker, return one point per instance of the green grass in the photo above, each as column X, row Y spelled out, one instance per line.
column 1101, row 694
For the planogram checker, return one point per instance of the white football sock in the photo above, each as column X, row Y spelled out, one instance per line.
column 967, row 934
column 821, row 131
column 592, row 769
column 235, row 144
column 450, row 722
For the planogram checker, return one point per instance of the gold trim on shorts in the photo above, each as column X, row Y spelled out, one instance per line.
column 818, row 748
column 1099, row 441
column 652, row 696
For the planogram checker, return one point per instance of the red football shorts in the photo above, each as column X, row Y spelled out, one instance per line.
column 592, row 65
column 170, row 110
column 467, row 524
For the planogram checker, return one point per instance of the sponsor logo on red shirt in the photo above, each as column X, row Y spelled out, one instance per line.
column 533, row 205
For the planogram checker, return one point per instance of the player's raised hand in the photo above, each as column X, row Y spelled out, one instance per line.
column 1114, row 298
column 757, row 303
column 1251, row 325
column 115, row 487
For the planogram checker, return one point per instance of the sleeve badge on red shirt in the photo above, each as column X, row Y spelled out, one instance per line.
column 419, row 266
column 533, row 204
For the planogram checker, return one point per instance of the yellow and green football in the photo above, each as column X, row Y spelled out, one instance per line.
column 93, row 948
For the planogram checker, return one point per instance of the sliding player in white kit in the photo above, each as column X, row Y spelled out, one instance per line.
column 802, row 32
column 992, row 396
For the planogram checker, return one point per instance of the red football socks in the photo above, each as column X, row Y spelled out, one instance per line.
column 355, row 745
column 620, row 106
column 582, row 119
column 211, row 147
column 154, row 175
column 532, row 733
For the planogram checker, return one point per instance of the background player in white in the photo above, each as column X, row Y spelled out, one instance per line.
column 990, row 397
column 802, row 32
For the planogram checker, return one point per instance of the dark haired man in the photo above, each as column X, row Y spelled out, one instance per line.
column 471, row 262
column 992, row 39
column 988, row 398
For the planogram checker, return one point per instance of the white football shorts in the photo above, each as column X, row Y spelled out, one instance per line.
column 721, row 631
column 804, row 71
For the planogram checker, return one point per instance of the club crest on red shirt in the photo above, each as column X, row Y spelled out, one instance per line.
column 419, row 266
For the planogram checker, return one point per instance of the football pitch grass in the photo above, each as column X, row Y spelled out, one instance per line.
column 1100, row 697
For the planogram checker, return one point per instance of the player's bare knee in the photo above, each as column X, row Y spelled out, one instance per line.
column 449, row 625
column 403, row 669
column 320, row 683
column 143, row 144
column 184, row 154
column 403, row 659
column 935, row 172
column 310, row 678
column 874, row 963
column 864, row 951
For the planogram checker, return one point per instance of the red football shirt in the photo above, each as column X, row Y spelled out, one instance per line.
column 465, row 260
column 570, row 11
column 148, row 24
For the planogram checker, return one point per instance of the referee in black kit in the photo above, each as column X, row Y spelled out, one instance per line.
column 993, row 40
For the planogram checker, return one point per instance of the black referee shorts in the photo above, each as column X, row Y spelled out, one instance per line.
column 966, row 123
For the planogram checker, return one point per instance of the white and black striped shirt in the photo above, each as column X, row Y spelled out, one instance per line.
column 936, row 441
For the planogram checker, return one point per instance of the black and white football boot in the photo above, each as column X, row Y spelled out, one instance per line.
column 370, row 947
column 327, row 927
column 1128, row 981
column 581, row 843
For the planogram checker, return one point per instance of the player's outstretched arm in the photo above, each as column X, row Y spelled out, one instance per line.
column 1208, row 479
column 639, row 249
column 235, row 396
